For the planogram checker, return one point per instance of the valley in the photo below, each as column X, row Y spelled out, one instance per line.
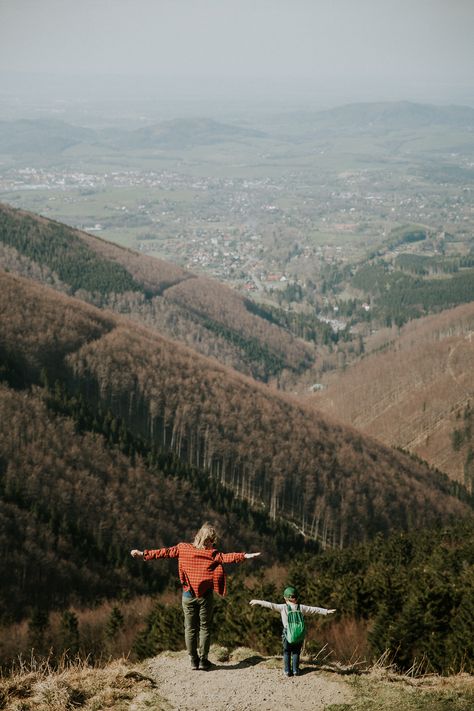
column 290, row 202
column 330, row 227
column 266, row 323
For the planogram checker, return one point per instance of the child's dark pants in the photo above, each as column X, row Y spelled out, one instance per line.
column 291, row 653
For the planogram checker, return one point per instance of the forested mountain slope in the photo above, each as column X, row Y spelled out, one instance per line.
column 207, row 315
column 415, row 391
column 74, row 499
column 329, row 481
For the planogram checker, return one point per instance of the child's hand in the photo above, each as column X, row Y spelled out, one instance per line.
column 329, row 612
column 251, row 555
column 136, row 554
column 253, row 602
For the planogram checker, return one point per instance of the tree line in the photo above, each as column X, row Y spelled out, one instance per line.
column 64, row 253
column 410, row 595
column 424, row 265
column 303, row 325
column 399, row 297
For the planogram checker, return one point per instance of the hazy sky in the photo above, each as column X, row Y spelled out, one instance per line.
column 384, row 43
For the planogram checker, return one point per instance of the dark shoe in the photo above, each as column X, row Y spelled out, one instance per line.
column 194, row 664
column 205, row 665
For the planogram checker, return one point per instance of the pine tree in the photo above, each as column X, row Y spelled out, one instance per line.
column 461, row 640
column 37, row 627
column 115, row 623
column 70, row 633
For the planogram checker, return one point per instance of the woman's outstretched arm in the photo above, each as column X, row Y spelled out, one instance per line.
column 172, row 552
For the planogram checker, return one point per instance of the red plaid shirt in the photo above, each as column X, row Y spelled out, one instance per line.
column 200, row 569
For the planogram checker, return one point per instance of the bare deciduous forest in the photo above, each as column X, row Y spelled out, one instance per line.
column 333, row 484
column 412, row 389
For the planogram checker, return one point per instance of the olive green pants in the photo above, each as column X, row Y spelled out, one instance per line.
column 197, row 624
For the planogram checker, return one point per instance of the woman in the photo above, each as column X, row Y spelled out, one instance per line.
column 201, row 574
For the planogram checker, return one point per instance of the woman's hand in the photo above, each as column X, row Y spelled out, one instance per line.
column 329, row 612
column 136, row 554
column 253, row 602
column 251, row 555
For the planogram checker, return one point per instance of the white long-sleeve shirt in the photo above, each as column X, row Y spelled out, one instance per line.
column 283, row 609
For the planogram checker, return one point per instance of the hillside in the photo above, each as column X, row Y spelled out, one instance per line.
column 48, row 137
column 398, row 294
column 40, row 136
column 385, row 118
column 414, row 390
column 202, row 313
column 326, row 479
column 370, row 116
column 74, row 499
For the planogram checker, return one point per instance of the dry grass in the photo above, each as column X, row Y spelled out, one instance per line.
column 119, row 686
column 381, row 690
column 77, row 685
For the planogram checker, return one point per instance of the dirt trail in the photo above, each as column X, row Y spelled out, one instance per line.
column 245, row 683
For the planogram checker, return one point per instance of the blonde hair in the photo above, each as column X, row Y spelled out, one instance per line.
column 206, row 534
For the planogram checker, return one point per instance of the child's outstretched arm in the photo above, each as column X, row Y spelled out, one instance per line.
column 265, row 603
column 310, row 610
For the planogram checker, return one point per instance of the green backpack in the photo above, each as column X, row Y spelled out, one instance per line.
column 296, row 628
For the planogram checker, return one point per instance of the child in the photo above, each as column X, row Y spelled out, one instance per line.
column 201, row 573
column 291, row 649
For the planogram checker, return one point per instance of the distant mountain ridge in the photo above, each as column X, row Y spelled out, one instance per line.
column 44, row 136
column 394, row 115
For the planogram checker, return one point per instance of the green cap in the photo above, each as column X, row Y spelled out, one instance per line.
column 289, row 592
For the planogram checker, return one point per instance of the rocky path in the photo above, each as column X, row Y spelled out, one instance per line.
column 245, row 682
